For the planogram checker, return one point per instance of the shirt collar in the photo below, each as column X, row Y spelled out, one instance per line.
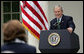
column 60, row 18
column 18, row 41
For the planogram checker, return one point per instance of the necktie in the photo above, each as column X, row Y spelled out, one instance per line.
column 58, row 25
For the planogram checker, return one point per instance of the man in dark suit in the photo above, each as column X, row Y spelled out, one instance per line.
column 62, row 21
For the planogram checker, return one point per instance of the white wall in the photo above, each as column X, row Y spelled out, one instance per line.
column 71, row 8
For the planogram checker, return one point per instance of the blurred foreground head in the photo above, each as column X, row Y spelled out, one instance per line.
column 13, row 29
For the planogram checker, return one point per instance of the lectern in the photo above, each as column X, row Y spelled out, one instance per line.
column 58, row 41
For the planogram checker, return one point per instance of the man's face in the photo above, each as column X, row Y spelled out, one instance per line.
column 58, row 12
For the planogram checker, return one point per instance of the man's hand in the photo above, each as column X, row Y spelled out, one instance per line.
column 70, row 29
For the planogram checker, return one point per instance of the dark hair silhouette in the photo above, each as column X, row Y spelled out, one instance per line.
column 13, row 29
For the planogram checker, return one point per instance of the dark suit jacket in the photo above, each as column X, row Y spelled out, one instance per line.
column 18, row 48
column 66, row 21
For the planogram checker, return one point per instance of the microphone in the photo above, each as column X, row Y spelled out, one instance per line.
column 56, row 23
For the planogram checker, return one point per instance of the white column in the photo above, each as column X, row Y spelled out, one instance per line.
column 1, row 22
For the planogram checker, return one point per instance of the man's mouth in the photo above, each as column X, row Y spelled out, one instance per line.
column 58, row 15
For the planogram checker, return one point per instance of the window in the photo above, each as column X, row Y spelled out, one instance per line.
column 11, row 10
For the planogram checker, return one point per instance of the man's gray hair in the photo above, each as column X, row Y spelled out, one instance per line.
column 58, row 6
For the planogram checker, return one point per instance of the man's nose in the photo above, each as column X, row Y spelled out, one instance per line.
column 57, row 12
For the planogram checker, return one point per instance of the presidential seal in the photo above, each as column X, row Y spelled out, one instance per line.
column 54, row 39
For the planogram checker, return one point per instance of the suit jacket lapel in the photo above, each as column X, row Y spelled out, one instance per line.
column 55, row 19
column 62, row 20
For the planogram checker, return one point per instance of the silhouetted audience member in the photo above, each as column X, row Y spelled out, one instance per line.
column 15, row 38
